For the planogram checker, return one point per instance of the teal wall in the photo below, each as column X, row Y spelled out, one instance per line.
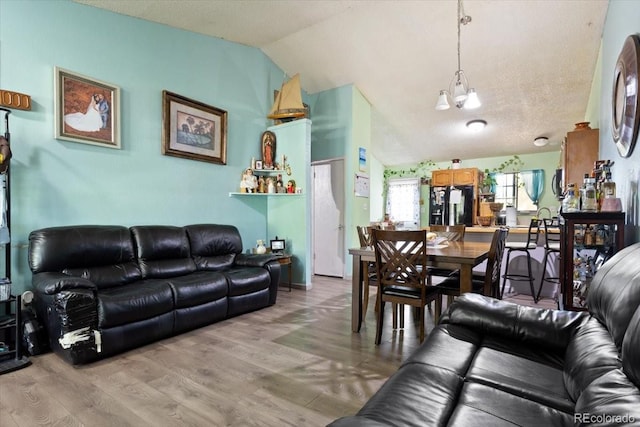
column 623, row 19
column 60, row 183
column 331, row 111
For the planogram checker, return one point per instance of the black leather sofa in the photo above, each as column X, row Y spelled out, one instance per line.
column 100, row 290
column 493, row 363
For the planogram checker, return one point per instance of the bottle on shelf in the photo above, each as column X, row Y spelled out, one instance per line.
column 589, row 200
column 571, row 202
column 608, row 187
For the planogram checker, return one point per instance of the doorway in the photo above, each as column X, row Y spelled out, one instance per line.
column 328, row 218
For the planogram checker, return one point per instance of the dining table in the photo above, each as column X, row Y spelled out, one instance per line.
column 463, row 256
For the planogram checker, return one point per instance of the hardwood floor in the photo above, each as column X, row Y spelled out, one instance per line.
column 294, row 364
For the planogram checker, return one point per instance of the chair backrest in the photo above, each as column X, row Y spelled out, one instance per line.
column 494, row 260
column 364, row 236
column 534, row 231
column 401, row 257
column 551, row 233
column 453, row 233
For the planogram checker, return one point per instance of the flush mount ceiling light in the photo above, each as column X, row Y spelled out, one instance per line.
column 459, row 91
column 476, row 125
column 541, row 141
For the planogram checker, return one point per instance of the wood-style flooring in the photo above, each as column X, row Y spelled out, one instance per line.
column 294, row 364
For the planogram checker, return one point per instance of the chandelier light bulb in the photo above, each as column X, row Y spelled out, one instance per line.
column 443, row 102
column 472, row 100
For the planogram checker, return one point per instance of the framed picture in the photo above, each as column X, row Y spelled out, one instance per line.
column 86, row 110
column 193, row 130
column 277, row 246
column 268, row 146
column 259, row 165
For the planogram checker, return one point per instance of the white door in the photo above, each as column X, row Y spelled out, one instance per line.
column 328, row 218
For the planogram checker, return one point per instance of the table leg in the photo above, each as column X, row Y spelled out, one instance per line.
column 465, row 278
column 356, row 294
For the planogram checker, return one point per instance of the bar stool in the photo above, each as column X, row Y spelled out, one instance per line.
column 526, row 247
column 551, row 246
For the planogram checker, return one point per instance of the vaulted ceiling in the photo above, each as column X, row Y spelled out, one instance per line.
column 532, row 62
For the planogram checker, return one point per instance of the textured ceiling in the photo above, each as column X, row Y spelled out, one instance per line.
column 531, row 62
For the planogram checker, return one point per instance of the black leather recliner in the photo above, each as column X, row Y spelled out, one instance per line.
column 101, row 290
column 493, row 363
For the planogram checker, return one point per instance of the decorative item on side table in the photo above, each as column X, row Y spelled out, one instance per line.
column 260, row 247
column 86, row 110
column 277, row 245
column 193, row 130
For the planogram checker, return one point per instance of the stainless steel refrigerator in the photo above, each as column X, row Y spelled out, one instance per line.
column 451, row 205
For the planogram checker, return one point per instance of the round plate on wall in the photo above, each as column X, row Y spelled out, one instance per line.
column 625, row 111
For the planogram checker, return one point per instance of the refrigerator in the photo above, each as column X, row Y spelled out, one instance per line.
column 451, row 205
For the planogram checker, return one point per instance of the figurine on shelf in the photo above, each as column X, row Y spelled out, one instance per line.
column 249, row 182
column 261, row 186
column 291, row 186
column 271, row 188
column 280, row 187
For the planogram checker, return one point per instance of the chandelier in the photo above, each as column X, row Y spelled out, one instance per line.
column 459, row 91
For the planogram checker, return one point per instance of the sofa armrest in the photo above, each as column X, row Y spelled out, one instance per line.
column 254, row 260
column 550, row 328
column 50, row 283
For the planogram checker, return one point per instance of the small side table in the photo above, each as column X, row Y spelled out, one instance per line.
column 285, row 259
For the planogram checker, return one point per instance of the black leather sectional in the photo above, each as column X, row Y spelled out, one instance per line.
column 492, row 363
column 101, row 290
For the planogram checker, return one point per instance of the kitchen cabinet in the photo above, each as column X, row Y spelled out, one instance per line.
column 579, row 153
column 588, row 240
column 444, row 177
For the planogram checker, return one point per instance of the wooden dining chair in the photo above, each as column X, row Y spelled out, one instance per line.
column 368, row 268
column 401, row 272
column 451, row 285
column 453, row 233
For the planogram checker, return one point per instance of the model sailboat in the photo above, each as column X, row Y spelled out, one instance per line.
column 288, row 103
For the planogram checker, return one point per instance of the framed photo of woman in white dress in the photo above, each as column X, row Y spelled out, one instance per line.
column 86, row 110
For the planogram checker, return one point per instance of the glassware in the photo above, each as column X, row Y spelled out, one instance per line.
column 589, row 200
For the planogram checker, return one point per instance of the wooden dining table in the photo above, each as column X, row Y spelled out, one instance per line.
column 456, row 255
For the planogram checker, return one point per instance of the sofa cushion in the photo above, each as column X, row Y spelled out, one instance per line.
column 198, row 288
column 449, row 347
column 416, row 395
column 590, row 354
column 247, row 280
column 103, row 254
column 614, row 293
column 131, row 303
column 163, row 251
column 533, row 373
column 214, row 246
column 609, row 400
column 480, row 405
column 631, row 350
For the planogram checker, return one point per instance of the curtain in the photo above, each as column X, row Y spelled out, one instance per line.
column 533, row 183
column 403, row 200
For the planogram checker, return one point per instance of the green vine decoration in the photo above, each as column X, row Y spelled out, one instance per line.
column 514, row 163
column 420, row 170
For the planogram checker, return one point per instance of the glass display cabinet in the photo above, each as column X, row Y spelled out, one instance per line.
column 589, row 239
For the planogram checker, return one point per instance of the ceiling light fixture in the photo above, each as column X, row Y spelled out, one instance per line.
column 459, row 91
column 541, row 141
column 476, row 125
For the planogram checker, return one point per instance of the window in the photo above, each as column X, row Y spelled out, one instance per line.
column 403, row 202
column 510, row 190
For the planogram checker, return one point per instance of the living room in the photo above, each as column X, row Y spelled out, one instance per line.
column 58, row 183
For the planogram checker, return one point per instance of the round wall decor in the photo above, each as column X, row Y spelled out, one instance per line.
column 625, row 111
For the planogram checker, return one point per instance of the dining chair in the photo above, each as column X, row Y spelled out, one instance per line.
column 401, row 268
column 451, row 285
column 551, row 247
column 453, row 233
column 368, row 268
column 529, row 245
